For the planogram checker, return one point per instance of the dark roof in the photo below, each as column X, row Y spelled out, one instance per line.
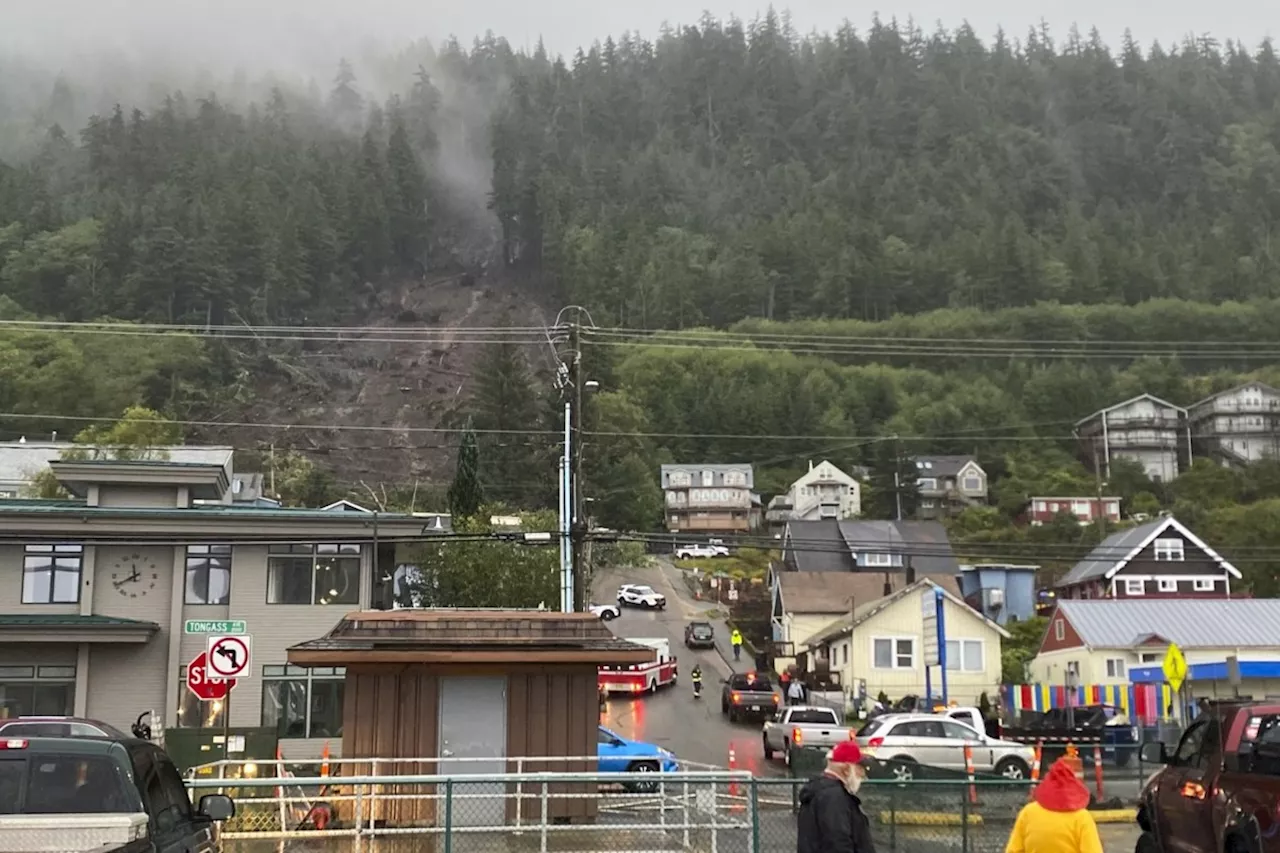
column 829, row 592
column 817, row 546
column 942, row 466
column 925, row 542
column 468, row 636
column 70, row 620
column 1121, row 546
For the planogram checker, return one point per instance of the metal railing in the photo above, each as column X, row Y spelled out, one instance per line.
column 601, row 812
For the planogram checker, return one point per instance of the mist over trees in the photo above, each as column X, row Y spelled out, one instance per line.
column 857, row 184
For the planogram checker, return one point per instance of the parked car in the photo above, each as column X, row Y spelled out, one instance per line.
column 905, row 746
column 694, row 552
column 803, row 725
column 58, row 727
column 616, row 754
column 1219, row 787
column 748, row 695
column 700, row 635
column 120, row 795
column 607, row 612
column 638, row 595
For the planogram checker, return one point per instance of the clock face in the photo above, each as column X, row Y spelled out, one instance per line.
column 134, row 576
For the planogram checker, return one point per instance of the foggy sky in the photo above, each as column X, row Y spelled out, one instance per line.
column 273, row 33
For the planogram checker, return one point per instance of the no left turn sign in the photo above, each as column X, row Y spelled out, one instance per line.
column 228, row 656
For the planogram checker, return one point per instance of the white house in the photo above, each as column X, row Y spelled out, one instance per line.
column 1239, row 425
column 881, row 643
column 824, row 491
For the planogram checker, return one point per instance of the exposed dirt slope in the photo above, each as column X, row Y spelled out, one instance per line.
column 395, row 387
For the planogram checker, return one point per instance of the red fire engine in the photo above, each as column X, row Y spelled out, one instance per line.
column 642, row 677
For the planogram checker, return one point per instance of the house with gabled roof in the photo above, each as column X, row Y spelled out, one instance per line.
column 1124, row 641
column 1239, row 425
column 1150, row 431
column 1159, row 559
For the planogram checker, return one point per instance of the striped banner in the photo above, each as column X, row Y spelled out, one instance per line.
column 1145, row 704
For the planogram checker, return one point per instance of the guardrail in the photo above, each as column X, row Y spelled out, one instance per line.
column 599, row 812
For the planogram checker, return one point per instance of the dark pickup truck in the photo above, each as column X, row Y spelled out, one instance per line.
column 106, row 795
column 749, row 696
column 1219, row 791
column 1085, row 726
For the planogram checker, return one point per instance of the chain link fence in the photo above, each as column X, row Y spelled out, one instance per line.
column 602, row 813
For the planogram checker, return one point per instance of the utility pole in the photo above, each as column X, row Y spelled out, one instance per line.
column 1102, row 510
column 578, row 526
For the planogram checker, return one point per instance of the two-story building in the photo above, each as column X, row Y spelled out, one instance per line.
column 1239, row 425
column 948, row 485
column 1086, row 509
column 95, row 591
column 1124, row 641
column 710, row 498
column 824, row 491
column 1159, row 559
column 868, row 546
column 1002, row 592
column 1146, row 429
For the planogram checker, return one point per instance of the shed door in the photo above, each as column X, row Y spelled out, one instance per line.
column 473, row 740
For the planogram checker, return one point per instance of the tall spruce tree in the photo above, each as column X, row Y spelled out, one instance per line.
column 466, row 494
column 506, row 399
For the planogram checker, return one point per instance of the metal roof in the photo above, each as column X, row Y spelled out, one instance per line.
column 1108, row 552
column 1189, row 622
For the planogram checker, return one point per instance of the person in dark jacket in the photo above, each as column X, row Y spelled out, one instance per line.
column 831, row 819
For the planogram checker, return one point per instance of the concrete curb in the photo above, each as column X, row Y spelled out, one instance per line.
column 928, row 819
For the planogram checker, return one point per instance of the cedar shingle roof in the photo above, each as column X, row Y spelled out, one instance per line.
column 448, row 635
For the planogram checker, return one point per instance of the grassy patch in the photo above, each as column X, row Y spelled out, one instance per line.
column 743, row 564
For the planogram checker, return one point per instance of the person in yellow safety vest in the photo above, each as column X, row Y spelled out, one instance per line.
column 735, row 640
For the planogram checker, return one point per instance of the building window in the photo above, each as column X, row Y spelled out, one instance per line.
column 299, row 702
column 51, row 574
column 1059, row 631
column 208, row 574
column 1039, row 506
column 1115, row 667
column 313, row 574
column 1204, row 585
column 41, row 691
column 735, row 478
column 1081, row 508
column 1169, row 550
column 928, row 503
column 877, row 559
column 965, row 656
column 1149, row 657
column 708, row 478
column 893, row 652
column 1135, row 586
column 679, row 478
column 972, row 483
column 1168, row 584
column 845, row 654
column 929, row 484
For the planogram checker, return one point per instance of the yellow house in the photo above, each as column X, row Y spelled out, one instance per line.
column 1124, row 641
column 882, row 646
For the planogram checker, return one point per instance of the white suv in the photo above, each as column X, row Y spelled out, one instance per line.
column 637, row 595
column 692, row 552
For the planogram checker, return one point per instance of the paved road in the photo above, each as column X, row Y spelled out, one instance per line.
column 694, row 729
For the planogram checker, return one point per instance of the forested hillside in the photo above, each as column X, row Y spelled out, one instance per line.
column 864, row 234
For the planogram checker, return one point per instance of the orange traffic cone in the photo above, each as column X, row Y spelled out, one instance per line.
column 324, row 760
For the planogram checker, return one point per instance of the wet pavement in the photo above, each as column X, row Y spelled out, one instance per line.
column 694, row 729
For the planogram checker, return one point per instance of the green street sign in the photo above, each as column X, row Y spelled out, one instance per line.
column 200, row 626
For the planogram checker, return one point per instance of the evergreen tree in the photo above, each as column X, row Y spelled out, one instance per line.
column 506, row 399
column 407, row 223
column 466, row 494
column 345, row 100
column 893, row 493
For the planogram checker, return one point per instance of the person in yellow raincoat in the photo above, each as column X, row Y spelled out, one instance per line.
column 1057, row 819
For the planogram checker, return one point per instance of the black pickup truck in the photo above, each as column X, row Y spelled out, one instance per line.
column 107, row 795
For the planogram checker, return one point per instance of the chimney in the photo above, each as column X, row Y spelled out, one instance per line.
column 911, row 571
column 810, row 464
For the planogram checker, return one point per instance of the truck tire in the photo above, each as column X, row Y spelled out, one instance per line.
column 768, row 750
column 1012, row 768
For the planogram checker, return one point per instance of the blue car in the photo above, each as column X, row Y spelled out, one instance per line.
column 616, row 754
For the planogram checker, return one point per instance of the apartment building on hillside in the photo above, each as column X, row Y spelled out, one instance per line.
column 710, row 498
column 1239, row 425
column 1146, row 429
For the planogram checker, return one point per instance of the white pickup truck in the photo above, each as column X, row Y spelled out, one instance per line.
column 803, row 725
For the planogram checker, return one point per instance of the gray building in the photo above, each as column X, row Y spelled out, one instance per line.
column 94, row 593
column 1150, row 431
column 948, row 485
column 1239, row 425
column 710, row 498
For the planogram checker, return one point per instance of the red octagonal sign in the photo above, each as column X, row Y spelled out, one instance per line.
column 202, row 684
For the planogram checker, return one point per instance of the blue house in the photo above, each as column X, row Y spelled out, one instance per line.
column 1003, row 593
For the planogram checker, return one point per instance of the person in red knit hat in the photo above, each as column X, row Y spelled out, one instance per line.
column 831, row 818
column 1057, row 819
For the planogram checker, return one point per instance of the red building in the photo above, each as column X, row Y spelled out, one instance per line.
column 1086, row 509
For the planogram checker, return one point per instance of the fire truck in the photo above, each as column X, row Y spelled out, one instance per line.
column 641, row 677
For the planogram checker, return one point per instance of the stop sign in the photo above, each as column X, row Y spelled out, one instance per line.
column 200, row 683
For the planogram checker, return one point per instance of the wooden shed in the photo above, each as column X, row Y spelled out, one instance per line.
column 472, row 691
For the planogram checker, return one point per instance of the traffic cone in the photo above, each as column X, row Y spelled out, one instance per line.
column 324, row 761
column 968, row 769
column 1035, row 769
column 1097, row 770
